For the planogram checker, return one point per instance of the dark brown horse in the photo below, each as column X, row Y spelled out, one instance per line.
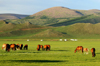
column 21, row 46
column 39, row 46
column 79, row 48
column 26, row 47
column 93, row 52
column 47, row 47
column 6, row 47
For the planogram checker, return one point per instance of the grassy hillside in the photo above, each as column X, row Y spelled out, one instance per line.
column 81, row 30
column 84, row 19
column 28, row 30
column 14, row 30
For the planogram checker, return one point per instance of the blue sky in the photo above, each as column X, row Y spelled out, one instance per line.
column 29, row 7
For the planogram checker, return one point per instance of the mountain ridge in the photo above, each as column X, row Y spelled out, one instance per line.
column 12, row 16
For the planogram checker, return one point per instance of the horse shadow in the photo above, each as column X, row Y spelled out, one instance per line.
column 59, row 50
column 97, row 53
column 31, row 61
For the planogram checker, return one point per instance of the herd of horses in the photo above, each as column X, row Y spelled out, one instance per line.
column 46, row 47
column 7, row 47
column 80, row 48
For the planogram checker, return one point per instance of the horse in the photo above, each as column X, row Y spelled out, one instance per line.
column 39, row 46
column 93, row 52
column 13, row 46
column 6, row 47
column 18, row 46
column 47, row 47
column 26, row 47
column 78, row 49
column 85, row 50
column 21, row 46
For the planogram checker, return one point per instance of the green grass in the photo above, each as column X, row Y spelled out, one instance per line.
column 61, row 54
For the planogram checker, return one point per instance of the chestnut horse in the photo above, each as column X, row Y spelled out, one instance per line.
column 93, row 52
column 85, row 50
column 78, row 49
column 39, row 46
column 13, row 46
column 26, row 47
column 6, row 47
column 47, row 47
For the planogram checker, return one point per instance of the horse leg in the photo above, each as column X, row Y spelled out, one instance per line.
column 93, row 54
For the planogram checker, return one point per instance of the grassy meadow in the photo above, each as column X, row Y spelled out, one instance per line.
column 61, row 53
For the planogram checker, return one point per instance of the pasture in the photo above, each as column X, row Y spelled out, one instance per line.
column 61, row 54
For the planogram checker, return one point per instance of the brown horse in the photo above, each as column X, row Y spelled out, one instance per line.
column 47, row 47
column 39, row 46
column 18, row 46
column 78, row 49
column 85, row 50
column 6, row 47
column 93, row 52
column 26, row 47
column 13, row 46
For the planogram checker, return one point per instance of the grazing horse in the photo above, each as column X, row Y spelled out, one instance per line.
column 47, row 47
column 93, row 52
column 85, row 50
column 6, row 47
column 78, row 49
column 18, row 46
column 26, row 47
column 13, row 46
column 21, row 46
column 39, row 46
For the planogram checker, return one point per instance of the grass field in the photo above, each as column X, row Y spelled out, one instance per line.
column 61, row 54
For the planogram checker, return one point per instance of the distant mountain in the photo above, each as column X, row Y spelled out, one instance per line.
column 60, row 16
column 57, row 12
column 88, row 12
column 63, row 12
column 12, row 16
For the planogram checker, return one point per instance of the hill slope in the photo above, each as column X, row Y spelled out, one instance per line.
column 12, row 16
column 81, row 30
column 84, row 19
column 28, row 30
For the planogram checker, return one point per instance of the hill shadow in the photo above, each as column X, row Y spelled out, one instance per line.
column 31, row 61
column 71, row 21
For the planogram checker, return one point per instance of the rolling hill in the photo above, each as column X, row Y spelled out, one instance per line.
column 12, row 16
column 57, row 12
column 60, row 15
column 55, row 22
column 28, row 30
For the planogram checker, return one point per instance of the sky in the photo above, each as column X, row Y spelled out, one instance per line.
column 30, row 7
